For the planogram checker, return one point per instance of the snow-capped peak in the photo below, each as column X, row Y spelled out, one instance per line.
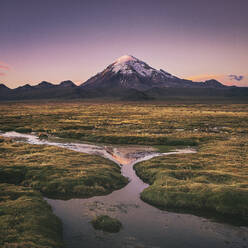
column 128, row 64
column 124, row 59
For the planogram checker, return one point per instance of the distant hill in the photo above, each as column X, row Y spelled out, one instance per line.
column 128, row 79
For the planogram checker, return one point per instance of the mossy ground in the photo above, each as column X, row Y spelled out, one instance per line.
column 106, row 223
column 58, row 172
column 26, row 220
column 214, row 179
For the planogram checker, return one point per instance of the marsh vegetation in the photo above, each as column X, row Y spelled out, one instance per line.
column 26, row 220
column 106, row 223
column 213, row 180
column 58, row 172
column 28, row 172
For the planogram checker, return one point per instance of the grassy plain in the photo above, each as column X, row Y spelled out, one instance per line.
column 214, row 179
column 156, row 124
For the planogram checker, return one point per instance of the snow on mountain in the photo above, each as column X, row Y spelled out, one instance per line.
column 128, row 64
column 128, row 72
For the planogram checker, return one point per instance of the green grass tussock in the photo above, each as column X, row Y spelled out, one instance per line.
column 57, row 172
column 215, row 179
column 106, row 223
column 26, row 220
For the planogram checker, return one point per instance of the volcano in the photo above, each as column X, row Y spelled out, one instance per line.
column 128, row 72
column 129, row 78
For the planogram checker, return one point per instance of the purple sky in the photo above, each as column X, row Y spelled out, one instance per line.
column 56, row 40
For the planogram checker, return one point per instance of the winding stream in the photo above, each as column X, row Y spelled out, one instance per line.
column 144, row 226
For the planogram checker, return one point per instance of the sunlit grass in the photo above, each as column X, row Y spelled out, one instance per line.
column 127, row 123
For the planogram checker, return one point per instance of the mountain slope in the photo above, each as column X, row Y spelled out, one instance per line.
column 4, row 88
column 128, row 79
column 132, row 73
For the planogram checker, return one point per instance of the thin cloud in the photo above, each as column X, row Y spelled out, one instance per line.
column 3, row 67
column 236, row 77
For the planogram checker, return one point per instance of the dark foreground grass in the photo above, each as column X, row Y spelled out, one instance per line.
column 106, row 223
column 26, row 220
column 213, row 180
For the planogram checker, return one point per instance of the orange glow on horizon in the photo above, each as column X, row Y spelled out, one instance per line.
column 225, row 79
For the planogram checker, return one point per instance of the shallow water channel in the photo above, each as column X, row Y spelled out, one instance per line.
column 143, row 225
